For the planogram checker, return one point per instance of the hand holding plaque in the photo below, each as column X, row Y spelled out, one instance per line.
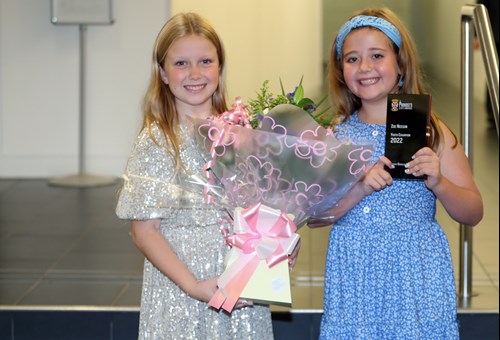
column 406, row 130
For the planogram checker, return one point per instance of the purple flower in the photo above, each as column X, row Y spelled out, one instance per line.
column 310, row 108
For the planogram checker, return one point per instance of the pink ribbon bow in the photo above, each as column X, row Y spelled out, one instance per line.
column 236, row 116
column 260, row 233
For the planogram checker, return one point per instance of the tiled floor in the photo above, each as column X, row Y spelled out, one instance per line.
column 63, row 246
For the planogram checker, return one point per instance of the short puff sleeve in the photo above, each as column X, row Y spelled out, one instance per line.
column 150, row 190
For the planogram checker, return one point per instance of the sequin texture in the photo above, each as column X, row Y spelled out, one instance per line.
column 389, row 273
column 193, row 228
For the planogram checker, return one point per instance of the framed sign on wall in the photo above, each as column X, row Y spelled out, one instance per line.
column 81, row 12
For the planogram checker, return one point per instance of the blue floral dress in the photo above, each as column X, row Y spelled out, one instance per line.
column 389, row 273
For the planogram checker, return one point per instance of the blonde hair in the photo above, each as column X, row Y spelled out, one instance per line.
column 159, row 101
column 347, row 103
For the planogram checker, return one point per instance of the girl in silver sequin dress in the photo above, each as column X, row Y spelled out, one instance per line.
column 179, row 234
column 389, row 273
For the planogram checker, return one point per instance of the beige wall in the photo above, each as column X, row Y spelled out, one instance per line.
column 266, row 40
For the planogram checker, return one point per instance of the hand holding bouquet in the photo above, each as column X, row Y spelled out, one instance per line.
column 273, row 165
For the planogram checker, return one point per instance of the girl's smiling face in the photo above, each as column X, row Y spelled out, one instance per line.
column 370, row 66
column 191, row 70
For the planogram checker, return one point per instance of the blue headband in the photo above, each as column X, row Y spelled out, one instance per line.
column 363, row 20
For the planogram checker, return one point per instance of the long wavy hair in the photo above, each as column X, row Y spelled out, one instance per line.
column 413, row 83
column 159, row 102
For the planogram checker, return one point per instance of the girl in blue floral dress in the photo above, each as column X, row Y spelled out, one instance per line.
column 389, row 272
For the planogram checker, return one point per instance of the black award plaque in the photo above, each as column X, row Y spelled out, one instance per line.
column 406, row 130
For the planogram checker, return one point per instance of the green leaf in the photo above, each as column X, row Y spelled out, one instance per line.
column 300, row 82
column 305, row 102
column 282, row 88
column 299, row 94
column 321, row 101
column 319, row 114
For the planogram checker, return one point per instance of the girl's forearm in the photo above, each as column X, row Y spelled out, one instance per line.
column 463, row 205
column 148, row 239
column 353, row 196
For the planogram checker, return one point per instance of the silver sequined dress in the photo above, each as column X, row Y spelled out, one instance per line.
column 193, row 230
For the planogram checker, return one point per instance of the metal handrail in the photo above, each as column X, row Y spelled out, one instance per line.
column 479, row 16
column 489, row 53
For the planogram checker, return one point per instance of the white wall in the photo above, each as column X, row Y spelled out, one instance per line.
column 39, row 86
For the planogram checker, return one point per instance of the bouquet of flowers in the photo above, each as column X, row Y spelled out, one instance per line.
column 273, row 163
column 266, row 101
